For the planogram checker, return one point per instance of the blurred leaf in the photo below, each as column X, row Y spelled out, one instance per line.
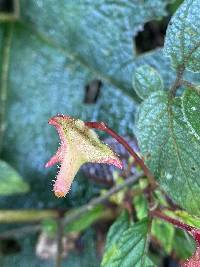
column 183, row 244
column 27, row 257
column 10, row 181
column 141, row 206
column 50, row 226
column 146, row 80
column 88, row 218
column 164, row 233
column 129, row 245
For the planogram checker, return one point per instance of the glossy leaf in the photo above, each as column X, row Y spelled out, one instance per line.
column 182, row 41
column 146, row 80
column 170, row 149
column 10, row 181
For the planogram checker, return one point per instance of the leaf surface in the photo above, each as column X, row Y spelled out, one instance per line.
column 129, row 248
column 10, row 181
column 170, row 149
column 146, row 81
column 182, row 41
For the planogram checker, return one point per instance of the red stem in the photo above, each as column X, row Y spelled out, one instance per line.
column 103, row 127
column 195, row 232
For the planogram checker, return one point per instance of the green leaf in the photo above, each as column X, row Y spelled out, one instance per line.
column 50, row 65
column 116, row 230
column 185, row 217
column 191, row 109
column 129, row 249
column 183, row 245
column 170, row 149
column 10, row 181
column 147, row 80
column 87, row 219
column 182, row 41
column 106, row 27
column 164, row 233
column 141, row 206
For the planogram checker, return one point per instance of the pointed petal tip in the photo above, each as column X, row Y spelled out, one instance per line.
column 54, row 119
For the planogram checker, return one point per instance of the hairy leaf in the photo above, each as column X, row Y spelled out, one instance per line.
column 170, row 149
column 191, row 109
column 107, row 29
column 10, row 181
column 182, row 41
column 146, row 81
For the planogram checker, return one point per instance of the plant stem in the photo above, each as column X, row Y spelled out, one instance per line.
column 191, row 86
column 4, row 78
column 60, row 233
column 195, row 232
column 77, row 213
column 24, row 216
column 103, row 127
column 99, row 200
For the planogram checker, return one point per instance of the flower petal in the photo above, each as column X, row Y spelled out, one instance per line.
column 79, row 145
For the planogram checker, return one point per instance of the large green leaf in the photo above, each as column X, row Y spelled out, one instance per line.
column 97, row 34
column 182, row 41
column 10, row 181
column 126, row 246
column 170, row 149
column 56, row 50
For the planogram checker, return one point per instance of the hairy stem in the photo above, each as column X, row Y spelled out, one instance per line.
column 103, row 127
column 195, row 232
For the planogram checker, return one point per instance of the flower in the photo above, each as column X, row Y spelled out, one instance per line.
column 79, row 145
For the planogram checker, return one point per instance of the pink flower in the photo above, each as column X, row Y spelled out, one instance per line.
column 79, row 145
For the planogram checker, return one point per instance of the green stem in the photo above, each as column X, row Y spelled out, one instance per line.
column 4, row 78
column 22, row 216
column 60, row 234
